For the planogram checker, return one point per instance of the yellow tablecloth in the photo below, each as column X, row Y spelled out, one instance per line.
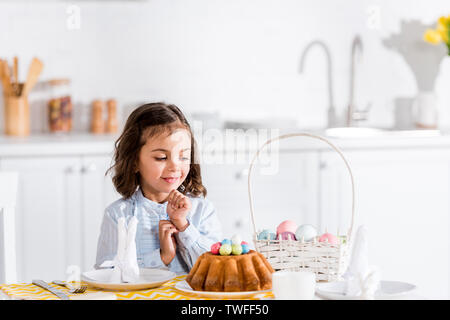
column 165, row 292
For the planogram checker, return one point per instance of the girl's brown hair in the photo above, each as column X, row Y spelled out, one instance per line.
column 146, row 121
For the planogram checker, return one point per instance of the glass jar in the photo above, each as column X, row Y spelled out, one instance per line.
column 60, row 106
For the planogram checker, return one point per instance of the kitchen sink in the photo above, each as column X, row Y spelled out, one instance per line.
column 366, row 132
column 263, row 123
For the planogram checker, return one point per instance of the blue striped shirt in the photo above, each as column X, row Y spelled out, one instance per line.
column 204, row 229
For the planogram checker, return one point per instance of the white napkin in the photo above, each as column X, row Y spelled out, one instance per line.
column 361, row 279
column 125, row 267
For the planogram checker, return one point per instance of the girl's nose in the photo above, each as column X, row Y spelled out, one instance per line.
column 173, row 165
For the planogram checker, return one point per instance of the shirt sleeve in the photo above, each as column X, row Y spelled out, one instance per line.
column 201, row 233
column 153, row 260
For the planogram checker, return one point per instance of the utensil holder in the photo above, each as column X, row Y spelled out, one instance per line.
column 328, row 261
column 17, row 116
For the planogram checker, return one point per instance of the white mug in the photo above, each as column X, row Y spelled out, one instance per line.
column 293, row 285
column 404, row 117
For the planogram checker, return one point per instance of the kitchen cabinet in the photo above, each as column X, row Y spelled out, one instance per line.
column 62, row 199
column 402, row 199
column 402, row 188
column 97, row 192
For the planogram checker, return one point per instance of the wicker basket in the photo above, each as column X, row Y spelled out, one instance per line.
column 327, row 261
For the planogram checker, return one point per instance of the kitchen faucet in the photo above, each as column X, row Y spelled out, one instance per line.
column 331, row 109
column 352, row 113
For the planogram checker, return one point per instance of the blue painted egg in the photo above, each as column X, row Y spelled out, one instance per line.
column 226, row 241
column 266, row 234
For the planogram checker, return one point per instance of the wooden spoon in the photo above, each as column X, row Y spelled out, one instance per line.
column 33, row 74
column 6, row 78
column 15, row 84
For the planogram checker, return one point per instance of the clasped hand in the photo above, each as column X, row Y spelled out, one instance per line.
column 178, row 206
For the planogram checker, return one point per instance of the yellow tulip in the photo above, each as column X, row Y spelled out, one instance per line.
column 441, row 33
column 432, row 36
column 442, row 22
column 443, row 28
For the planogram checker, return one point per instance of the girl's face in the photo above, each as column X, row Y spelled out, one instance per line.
column 164, row 163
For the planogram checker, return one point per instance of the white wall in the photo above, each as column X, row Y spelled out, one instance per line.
column 238, row 57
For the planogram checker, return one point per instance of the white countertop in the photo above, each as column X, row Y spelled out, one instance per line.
column 57, row 144
column 85, row 143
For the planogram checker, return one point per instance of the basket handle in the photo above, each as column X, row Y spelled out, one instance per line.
column 301, row 135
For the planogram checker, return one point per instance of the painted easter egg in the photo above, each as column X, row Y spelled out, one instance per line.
column 330, row 238
column 245, row 247
column 286, row 236
column 265, row 235
column 215, row 248
column 225, row 250
column 286, row 226
column 307, row 232
column 236, row 249
column 226, row 241
column 236, row 239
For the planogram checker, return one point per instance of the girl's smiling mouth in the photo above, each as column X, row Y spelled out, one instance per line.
column 170, row 179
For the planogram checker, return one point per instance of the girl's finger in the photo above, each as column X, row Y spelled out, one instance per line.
column 184, row 203
column 165, row 227
column 167, row 231
column 175, row 201
column 172, row 204
column 173, row 198
column 164, row 222
column 180, row 200
column 169, row 234
column 171, row 194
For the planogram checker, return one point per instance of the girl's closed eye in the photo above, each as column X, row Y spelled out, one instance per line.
column 160, row 158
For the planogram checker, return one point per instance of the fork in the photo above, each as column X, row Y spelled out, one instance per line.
column 80, row 289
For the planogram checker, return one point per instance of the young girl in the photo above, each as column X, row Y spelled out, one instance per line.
column 156, row 173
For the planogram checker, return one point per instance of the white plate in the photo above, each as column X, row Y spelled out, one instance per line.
column 388, row 289
column 185, row 287
column 148, row 278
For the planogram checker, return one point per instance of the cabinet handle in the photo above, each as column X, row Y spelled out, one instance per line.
column 240, row 223
column 89, row 168
column 240, row 174
column 73, row 169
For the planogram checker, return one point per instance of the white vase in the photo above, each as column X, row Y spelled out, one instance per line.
column 425, row 110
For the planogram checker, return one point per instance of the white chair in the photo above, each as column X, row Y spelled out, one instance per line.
column 8, row 194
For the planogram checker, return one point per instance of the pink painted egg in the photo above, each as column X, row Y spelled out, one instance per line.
column 328, row 237
column 215, row 248
column 286, row 236
column 286, row 226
